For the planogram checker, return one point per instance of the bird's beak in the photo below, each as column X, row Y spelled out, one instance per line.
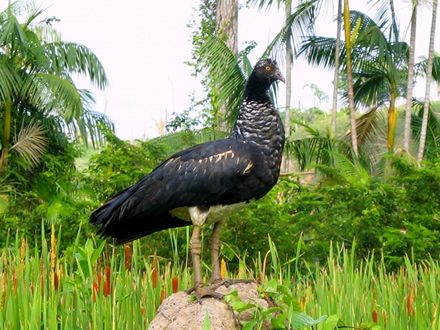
column 279, row 76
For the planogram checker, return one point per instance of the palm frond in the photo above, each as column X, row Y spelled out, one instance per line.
column 223, row 68
column 420, row 68
column 54, row 94
column 368, row 126
column 313, row 149
column 351, row 168
column 90, row 127
column 10, row 81
column 75, row 58
column 432, row 143
column 30, row 143
column 12, row 32
column 297, row 25
column 178, row 140
column 319, row 51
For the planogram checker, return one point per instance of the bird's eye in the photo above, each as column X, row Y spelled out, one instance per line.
column 268, row 68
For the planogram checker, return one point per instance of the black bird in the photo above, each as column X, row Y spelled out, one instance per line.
column 207, row 182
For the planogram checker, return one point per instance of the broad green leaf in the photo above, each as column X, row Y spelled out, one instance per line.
column 302, row 320
column 332, row 322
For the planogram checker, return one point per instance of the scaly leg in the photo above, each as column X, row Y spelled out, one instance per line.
column 201, row 291
column 216, row 278
column 214, row 246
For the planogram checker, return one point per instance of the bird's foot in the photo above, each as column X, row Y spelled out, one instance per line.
column 209, row 291
column 205, row 292
column 228, row 282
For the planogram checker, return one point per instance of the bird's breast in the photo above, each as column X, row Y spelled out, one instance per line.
column 200, row 215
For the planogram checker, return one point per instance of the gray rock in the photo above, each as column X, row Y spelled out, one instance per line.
column 179, row 311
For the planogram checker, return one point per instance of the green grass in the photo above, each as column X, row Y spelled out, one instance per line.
column 93, row 286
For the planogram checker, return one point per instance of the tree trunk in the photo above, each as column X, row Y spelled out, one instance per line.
column 336, row 74
column 392, row 119
column 6, row 138
column 410, row 83
column 289, row 58
column 347, row 31
column 226, row 30
column 428, row 83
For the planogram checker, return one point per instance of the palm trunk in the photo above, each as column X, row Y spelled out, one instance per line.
column 410, row 83
column 336, row 73
column 428, row 83
column 392, row 120
column 6, row 135
column 289, row 57
column 347, row 31
column 226, row 30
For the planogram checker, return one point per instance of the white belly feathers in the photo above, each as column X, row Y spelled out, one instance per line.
column 215, row 213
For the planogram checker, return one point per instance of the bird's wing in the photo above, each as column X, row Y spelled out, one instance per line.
column 196, row 176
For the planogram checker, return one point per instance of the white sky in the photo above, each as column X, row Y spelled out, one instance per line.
column 143, row 46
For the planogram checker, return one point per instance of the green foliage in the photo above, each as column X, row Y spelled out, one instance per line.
column 397, row 218
column 289, row 311
column 95, row 285
column 49, row 192
column 121, row 164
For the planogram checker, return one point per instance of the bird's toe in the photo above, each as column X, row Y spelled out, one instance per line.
column 202, row 292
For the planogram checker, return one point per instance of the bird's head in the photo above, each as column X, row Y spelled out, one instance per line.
column 268, row 69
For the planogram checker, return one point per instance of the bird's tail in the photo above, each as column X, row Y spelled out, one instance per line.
column 116, row 222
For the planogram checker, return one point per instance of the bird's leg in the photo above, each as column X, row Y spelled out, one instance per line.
column 195, row 247
column 216, row 278
column 201, row 291
column 215, row 247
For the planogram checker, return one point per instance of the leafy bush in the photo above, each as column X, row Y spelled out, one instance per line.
column 121, row 164
column 397, row 217
column 47, row 192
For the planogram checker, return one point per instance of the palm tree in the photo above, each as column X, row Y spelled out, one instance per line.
column 410, row 84
column 37, row 91
column 428, row 82
column 300, row 23
column 226, row 30
column 379, row 66
column 336, row 72
column 350, row 92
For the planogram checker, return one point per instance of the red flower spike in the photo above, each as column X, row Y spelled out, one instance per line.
column 127, row 257
column 175, row 284
column 107, row 287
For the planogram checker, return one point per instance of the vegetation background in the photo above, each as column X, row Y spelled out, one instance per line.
column 365, row 177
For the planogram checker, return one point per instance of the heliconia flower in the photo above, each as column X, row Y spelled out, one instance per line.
column 42, row 283
column 55, row 280
column 107, row 287
column 154, row 272
column 3, row 297
column 175, row 284
column 223, row 268
column 22, row 253
column 14, row 281
column 53, row 247
column 42, row 278
column 374, row 316
column 384, row 316
column 127, row 256
column 95, row 289
column 154, row 277
column 96, row 286
column 162, row 295
column 409, row 301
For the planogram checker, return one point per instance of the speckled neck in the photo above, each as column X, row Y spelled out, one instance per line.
column 259, row 122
